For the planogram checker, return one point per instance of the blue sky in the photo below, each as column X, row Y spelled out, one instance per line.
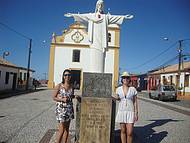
column 141, row 38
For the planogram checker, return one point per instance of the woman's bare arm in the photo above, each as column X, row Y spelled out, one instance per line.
column 56, row 93
column 115, row 97
column 136, row 108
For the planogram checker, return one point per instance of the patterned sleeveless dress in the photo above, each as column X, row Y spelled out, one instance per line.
column 64, row 110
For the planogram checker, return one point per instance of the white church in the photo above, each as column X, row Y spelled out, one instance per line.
column 72, row 50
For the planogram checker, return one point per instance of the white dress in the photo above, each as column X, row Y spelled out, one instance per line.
column 125, row 112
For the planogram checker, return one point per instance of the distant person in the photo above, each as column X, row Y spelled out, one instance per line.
column 35, row 83
column 63, row 95
column 128, row 108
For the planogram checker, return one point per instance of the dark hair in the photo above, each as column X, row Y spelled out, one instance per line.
column 123, row 78
column 63, row 80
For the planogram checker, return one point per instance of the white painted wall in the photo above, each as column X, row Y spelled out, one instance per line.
column 187, row 89
column 30, row 84
column 182, row 79
column 167, row 76
column 3, row 70
column 63, row 56
column 63, row 60
column 109, row 63
column 22, row 71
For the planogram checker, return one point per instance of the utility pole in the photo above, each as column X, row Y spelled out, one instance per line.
column 180, row 61
column 28, row 68
column 30, row 47
column 45, row 75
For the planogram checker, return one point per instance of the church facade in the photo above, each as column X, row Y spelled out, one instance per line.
column 72, row 50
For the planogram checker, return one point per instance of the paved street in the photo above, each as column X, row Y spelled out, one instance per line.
column 26, row 118
column 159, row 124
column 30, row 118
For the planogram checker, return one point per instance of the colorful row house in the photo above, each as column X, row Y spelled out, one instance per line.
column 139, row 81
column 171, row 75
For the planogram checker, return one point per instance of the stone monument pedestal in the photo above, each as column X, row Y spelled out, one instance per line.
column 97, row 110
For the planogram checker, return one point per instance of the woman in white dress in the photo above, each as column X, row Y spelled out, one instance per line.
column 127, row 113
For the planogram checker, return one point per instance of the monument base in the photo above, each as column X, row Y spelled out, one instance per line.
column 96, row 120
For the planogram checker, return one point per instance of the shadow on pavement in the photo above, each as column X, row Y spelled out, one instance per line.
column 146, row 134
column 11, row 93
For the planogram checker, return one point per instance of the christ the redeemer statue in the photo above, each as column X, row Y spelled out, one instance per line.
column 98, row 32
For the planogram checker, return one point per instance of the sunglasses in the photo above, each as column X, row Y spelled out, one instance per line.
column 126, row 77
column 67, row 74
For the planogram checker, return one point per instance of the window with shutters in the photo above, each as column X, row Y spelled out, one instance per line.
column 20, row 76
column 186, row 80
column 76, row 55
column 24, row 76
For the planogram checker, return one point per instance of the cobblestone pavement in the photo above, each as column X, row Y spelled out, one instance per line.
column 30, row 118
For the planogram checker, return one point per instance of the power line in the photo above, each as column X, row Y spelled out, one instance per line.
column 167, row 62
column 186, row 45
column 30, row 50
column 153, row 58
column 13, row 30
column 186, row 39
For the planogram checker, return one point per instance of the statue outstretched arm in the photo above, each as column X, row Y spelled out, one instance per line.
column 68, row 15
column 129, row 16
column 118, row 19
column 79, row 17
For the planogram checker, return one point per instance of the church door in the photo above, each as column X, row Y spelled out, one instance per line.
column 76, row 78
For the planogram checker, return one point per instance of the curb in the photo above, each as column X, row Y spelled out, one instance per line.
column 177, row 108
column 187, row 97
column 180, row 97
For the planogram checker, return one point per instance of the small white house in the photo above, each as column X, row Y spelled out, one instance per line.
column 10, row 76
column 22, row 78
column 72, row 50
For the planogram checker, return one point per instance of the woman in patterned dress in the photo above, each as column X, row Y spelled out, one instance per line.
column 128, row 108
column 63, row 95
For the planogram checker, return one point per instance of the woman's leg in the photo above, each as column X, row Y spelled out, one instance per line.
column 123, row 132
column 66, row 131
column 129, row 132
column 60, row 132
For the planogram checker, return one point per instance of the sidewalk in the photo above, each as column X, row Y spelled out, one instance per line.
column 174, row 107
column 11, row 93
column 181, row 97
